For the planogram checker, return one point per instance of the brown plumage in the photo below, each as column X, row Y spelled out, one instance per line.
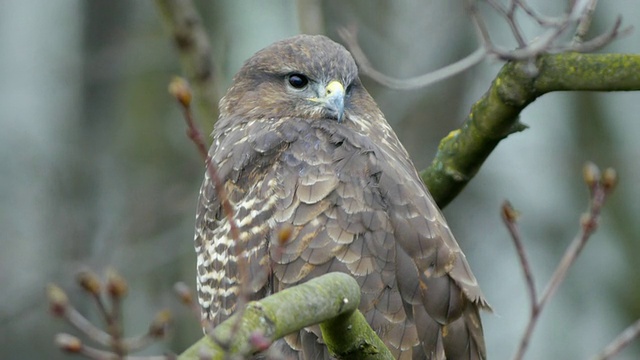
column 300, row 143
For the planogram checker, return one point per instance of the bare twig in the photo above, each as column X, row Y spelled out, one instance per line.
column 73, row 345
column 578, row 15
column 186, row 297
column 619, row 343
column 192, row 42
column 542, row 20
column 601, row 40
column 116, row 288
column 350, row 38
column 510, row 217
column 589, row 224
column 60, row 307
column 509, row 16
column 600, row 187
column 585, row 22
column 179, row 88
column 113, row 339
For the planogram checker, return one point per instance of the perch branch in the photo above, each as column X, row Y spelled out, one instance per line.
column 313, row 302
column 349, row 336
column 540, row 67
column 495, row 115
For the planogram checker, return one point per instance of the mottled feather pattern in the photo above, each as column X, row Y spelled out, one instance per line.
column 355, row 204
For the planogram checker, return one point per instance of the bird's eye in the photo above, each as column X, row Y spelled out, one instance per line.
column 348, row 90
column 298, row 81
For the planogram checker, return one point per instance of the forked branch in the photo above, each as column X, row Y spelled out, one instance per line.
column 116, row 345
column 600, row 187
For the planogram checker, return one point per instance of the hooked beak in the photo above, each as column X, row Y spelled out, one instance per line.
column 333, row 100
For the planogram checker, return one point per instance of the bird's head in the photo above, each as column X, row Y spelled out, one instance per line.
column 303, row 76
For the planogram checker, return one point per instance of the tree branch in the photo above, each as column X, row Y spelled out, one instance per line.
column 315, row 301
column 622, row 341
column 349, row 36
column 600, row 187
column 495, row 115
column 192, row 42
column 585, row 22
column 349, row 336
column 551, row 41
column 510, row 217
column 117, row 346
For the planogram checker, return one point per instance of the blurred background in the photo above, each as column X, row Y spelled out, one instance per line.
column 96, row 170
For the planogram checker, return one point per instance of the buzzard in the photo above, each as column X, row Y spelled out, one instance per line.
column 300, row 145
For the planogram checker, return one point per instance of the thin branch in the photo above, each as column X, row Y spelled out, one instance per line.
column 588, row 227
column 601, row 40
column 544, row 21
column 625, row 338
column 77, row 320
column 600, row 187
column 180, row 89
column 186, row 297
column 192, row 42
column 509, row 16
column 510, row 216
column 73, row 345
column 90, row 283
column 118, row 346
column 527, row 51
column 519, row 83
column 482, row 32
column 578, row 15
column 116, row 287
column 157, row 330
column 585, row 22
column 366, row 68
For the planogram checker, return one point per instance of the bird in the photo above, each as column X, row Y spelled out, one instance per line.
column 301, row 148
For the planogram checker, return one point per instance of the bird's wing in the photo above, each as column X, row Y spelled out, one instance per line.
column 328, row 193
column 434, row 278
column 350, row 204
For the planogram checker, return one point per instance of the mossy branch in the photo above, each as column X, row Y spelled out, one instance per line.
column 349, row 336
column 332, row 296
column 495, row 115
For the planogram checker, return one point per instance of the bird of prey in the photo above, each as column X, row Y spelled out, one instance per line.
column 301, row 145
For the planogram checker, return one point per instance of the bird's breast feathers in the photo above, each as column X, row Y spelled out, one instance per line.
column 312, row 195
